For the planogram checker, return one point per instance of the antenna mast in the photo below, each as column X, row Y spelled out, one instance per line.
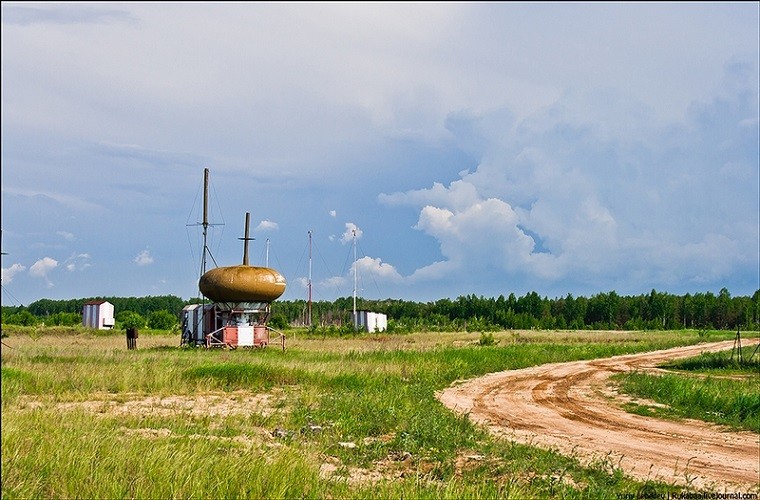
column 267, row 254
column 356, row 324
column 205, row 221
column 206, row 252
column 309, row 282
column 246, row 239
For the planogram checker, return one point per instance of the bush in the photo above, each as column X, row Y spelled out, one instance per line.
column 487, row 339
column 23, row 318
column 279, row 322
column 130, row 319
column 65, row 319
column 161, row 320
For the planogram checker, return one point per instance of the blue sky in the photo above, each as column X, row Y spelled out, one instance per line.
column 475, row 148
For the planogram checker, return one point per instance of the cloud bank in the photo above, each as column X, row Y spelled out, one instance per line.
column 602, row 199
column 482, row 148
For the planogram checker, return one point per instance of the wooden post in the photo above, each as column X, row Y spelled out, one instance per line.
column 132, row 338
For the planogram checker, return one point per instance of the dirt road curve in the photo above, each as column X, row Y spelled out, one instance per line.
column 571, row 407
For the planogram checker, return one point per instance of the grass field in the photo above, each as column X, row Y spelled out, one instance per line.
column 354, row 417
column 716, row 387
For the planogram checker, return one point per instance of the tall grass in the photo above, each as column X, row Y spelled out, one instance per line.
column 723, row 363
column 720, row 389
column 81, row 457
column 363, row 404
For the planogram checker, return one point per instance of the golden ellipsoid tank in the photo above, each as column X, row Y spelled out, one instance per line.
column 242, row 284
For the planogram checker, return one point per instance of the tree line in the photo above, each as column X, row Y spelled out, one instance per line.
column 141, row 305
column 652, row 311
column 156, row 312
column 602, row 311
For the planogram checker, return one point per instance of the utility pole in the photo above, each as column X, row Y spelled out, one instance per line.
column 309, row 282
column 356, row 322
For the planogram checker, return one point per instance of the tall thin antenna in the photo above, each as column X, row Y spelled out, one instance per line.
column 309, row 283
column 205, row 221
column 267, row 254
column 206, row 252
column 246, row 239
column 356, row 322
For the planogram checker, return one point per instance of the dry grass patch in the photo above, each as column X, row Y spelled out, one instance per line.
column 261, row 438
column 394, row 466
column 214, row 404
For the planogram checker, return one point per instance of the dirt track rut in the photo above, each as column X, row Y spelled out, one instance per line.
column 570, row 407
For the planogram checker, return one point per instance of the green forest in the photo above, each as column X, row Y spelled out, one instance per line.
column 602, row 311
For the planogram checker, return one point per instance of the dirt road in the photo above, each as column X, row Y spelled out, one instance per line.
column 572, row 408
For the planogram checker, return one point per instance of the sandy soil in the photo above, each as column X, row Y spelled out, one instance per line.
column 572, row 408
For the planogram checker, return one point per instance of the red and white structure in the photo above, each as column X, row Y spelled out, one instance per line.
column 220, row 324
column 241, row 299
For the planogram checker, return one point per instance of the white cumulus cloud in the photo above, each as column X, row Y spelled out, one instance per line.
column 144, row 258
column 267, row 225
column 10, row 272
column 77, row 262
column 367, row 267
column 593, row 192
column 42, row 267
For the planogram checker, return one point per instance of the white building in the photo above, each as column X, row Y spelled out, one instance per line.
column 98, row 314
column 371, row 321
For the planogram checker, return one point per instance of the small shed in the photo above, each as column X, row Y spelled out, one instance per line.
column 371, row 321
column 98, row 314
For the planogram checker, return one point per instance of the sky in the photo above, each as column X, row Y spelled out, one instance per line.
column 416, row 151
